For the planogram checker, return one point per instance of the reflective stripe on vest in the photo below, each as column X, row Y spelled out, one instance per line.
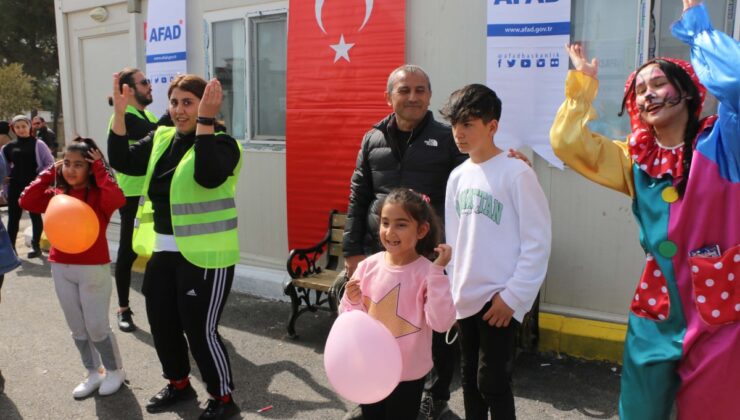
column 200, row 208
column 205, row 228
column 205, row 207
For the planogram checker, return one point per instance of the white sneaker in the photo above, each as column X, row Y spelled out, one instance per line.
column 89, row 385
column 112, row 382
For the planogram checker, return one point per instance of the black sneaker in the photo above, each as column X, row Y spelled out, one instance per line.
column 217, row 410
column 168, row 396
column 432, row 409
column 2, row 383
column 426, row 407
column 439, row 409
column 35, row 252
column 125, row 322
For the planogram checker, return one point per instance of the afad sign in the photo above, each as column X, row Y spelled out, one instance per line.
column 165, row 33
column 166, row 47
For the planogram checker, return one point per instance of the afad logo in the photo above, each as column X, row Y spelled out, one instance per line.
column 497, row 2
column 163, row 33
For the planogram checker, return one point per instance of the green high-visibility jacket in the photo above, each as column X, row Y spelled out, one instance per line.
column 204, row 220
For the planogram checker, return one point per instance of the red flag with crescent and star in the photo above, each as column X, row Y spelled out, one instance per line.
column 340, row 53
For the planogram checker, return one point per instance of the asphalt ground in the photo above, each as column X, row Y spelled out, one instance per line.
column 41, row 365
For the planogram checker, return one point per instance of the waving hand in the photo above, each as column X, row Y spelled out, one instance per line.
column 579, row 60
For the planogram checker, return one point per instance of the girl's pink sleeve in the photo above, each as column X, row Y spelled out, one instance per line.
column 439, row 308
column 35, row 198
column 111, row 196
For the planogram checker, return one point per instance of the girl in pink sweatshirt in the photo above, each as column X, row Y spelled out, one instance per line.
column 405, row 291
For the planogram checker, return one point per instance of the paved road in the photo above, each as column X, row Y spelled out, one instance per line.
column 41, row 365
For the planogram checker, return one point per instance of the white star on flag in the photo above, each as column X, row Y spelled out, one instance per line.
column 341, row 49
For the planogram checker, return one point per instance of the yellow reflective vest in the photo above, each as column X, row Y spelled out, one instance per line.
column 204, row 220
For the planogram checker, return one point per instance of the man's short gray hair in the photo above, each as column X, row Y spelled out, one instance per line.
column 407, row 68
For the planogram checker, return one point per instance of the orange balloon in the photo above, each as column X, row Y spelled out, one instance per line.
column 71, row 225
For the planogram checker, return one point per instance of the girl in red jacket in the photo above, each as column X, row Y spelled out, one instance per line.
column 83, row 281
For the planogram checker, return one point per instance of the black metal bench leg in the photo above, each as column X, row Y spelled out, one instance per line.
column 333, row 302
column 295, row 304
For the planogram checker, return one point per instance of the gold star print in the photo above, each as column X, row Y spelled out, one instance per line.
column 386, row 311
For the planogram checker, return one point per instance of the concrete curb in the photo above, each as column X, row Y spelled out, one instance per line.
column 587, row 339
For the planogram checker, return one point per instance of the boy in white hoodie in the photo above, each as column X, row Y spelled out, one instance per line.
column 498, row 224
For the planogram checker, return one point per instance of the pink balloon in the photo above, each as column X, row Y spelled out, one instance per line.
column 362, row 358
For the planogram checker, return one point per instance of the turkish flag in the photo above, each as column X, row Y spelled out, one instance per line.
column 340, row 53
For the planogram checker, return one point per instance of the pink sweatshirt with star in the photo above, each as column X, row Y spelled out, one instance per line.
column 411, row 301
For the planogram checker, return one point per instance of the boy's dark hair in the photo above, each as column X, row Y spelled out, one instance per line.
column 418, row 207
column 472, row 102
column 82, row 146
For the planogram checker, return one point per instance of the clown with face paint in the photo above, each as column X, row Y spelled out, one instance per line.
column 683, row 174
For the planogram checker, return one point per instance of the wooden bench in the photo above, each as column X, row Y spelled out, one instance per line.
column 310, row 288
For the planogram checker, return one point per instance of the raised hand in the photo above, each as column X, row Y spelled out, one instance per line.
column 444, row 254
column 120, row 96
column 93, row 155
column 579, row 60
column 120, row 102
column 689, row 3
column 210, row 103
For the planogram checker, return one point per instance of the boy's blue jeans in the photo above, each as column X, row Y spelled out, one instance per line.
column 487, row 360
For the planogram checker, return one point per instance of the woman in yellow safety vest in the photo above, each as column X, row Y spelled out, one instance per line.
column 187, row 223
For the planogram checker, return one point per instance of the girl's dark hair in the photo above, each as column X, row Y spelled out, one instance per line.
column 417, row 206
column 82, row 146
column 680, row 80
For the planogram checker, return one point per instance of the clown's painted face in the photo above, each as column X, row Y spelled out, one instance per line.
column 660, row 103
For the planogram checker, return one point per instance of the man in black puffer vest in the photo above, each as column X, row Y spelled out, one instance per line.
column 409, row 149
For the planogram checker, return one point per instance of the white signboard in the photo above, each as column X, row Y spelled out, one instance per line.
column 526, row 65
column 166, row 48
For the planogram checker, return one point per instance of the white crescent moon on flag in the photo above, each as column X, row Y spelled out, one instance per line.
column 320, row 5
column 317, row 10
column 368, row 12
